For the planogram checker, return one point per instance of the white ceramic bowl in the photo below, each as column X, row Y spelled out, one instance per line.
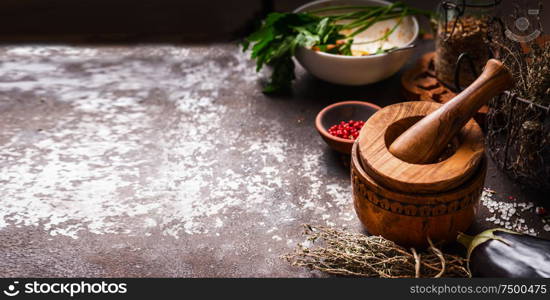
column 360, row 70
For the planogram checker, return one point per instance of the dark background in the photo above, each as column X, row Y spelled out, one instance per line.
column 152, row 20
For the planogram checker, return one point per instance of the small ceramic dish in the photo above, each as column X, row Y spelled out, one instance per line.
column 342, row 111
column 361, row 70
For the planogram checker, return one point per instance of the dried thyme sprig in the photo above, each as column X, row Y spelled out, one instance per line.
column 528, row 61
column 348, row 254
column 531, row 71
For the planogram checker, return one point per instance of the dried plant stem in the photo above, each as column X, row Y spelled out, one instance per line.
column 531, row 70
column 348, row 254
column 518, row 127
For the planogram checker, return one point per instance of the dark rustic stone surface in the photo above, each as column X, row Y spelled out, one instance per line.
column 169, row 161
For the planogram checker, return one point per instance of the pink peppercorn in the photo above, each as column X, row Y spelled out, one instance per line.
column 347, row 130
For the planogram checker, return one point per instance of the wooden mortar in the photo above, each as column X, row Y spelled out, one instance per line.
column 418, row 168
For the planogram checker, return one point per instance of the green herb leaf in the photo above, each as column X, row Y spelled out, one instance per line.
column 283, row 74
column 277, row 39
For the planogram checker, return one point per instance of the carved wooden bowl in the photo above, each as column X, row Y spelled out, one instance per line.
column 456, row 164
column 418, row 168
column 408, row 218
column 407, row 202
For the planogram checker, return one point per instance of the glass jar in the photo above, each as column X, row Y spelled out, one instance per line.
column 462, row 30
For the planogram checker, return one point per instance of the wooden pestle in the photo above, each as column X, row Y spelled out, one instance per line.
column 425, row 141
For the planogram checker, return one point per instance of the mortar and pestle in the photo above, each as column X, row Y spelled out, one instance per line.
column 418, row 168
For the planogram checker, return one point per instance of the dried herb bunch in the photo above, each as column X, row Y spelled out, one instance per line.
column 530, row 66
column 348, row 254
column 528, row 60
column 518, row 135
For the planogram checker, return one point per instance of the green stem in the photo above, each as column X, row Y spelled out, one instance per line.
column 376, row 14
column 348, row 16
column 465, row 240
column 387, row 34
column 377, row 18
column 363, row 18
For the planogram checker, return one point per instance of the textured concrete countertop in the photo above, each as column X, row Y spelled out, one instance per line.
column 169, row 161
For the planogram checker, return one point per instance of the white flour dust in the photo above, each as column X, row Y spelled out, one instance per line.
column 133, row 142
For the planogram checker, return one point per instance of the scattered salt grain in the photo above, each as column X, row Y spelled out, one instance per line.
column 510, row 215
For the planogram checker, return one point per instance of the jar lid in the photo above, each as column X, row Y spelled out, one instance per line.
column 387, row 124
